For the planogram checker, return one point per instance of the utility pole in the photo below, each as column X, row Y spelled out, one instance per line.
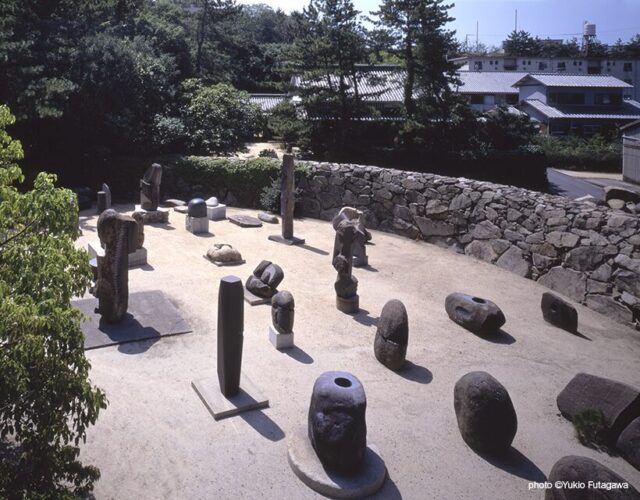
column 516, row 28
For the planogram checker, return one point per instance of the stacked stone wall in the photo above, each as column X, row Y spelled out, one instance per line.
column 587, row 252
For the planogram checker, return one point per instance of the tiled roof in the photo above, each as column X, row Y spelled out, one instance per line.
column 629, row 110
column 485, row 82
column 267, row 101
column 573, row 80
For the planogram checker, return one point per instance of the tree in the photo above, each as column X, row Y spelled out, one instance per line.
column 46, row 400
column 521, row 43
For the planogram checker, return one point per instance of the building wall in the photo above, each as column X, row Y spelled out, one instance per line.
column 589, row 253
column 538, row 92
column 631, row 155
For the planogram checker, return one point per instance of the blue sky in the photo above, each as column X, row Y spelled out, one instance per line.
column 545, row 18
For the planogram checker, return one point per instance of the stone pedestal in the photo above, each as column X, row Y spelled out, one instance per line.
column 219, row 212
column 197, row 225
column 249, row 397
column 137, row 258
column 280, row 340
column 160, row 216
column 349, row 306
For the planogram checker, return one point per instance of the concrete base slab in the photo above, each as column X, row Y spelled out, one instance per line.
column 280, row 340
column 253, row 299
column 219, row 212
column 135, row 259
column 151, row 315
column 196, row 225
column 349, row 306
column 286, row 241
column 153, row 216
column 307, row 466
column 249, row 397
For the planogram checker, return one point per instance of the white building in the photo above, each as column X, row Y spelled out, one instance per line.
column 631, row 152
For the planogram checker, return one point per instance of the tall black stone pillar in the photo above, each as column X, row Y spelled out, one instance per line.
column 230, row 328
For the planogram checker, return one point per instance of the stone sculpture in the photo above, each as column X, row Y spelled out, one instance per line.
column 197, row 220
column 392, row 335
column 485, row 413
column 337, row 427
column 118, row 235
column 360, row 258
column 265, row 279
column 346, row 284
column 197, row 207
column 628, row 443
column 137, row 216
column 230, row 334
column 287, row 203
column 559, row 313
column 582, row 472
column 215, row 209
column 224, row 254
column 282, row 315
column 104, row 199
column 150, row 187
column 480, row 316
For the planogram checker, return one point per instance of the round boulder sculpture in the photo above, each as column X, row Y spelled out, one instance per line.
column 480, row 316
column 392, row 335
column 581, row 473
column 265, row 279
column 282, row 312
column 337, row 427
column 197, row 208
column 485, row 413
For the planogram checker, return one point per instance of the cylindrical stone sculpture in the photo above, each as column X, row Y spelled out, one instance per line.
column 337, row 425
column 485, row 413
column 101, row 202
column 230, row 334
column 392, row 335
column 287, row 196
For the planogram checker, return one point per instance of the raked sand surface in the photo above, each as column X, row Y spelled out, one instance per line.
column 156, row 440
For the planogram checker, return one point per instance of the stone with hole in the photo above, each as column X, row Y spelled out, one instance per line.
column 559, row 312
column 478, row 315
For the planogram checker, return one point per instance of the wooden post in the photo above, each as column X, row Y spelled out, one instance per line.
column 287, row 203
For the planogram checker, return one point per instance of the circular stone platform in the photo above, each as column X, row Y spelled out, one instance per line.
column 305, row 463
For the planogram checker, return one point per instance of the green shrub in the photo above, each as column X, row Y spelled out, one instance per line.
column 591, row 428
column 577, row 153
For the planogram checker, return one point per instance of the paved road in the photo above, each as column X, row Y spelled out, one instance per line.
column 574, row 187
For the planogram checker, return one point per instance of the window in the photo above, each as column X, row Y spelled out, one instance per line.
column 627, row 67
column 566, row 98
column 512, row 99
column 575, row 63
column 477, row 99
column 594, row 70
column 491, row 62
column 542, row 66
column 477, row 65
column 628, row 80
column 562, row 66
column 606, row 99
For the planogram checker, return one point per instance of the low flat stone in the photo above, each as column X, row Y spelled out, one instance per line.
column 620, row 403
column 248, row 398
column 480, row 316
column 559, row 312
column 628, row 443
column 621, row 193
column 151, row 315
column 159, row 216
column 223, row 254
column 585, row 474
column 245, row 221
column 255, row 300
column 172, row 202
column 183, row 209
column 307, row 466
column 267, row 217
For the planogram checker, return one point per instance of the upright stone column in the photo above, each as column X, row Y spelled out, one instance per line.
column 230, row 329
column 287, row 203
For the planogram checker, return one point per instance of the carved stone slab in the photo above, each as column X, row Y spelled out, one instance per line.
column 245, row 221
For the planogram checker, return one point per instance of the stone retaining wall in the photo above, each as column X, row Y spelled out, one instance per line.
column 589, row 253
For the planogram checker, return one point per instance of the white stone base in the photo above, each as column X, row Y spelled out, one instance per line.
column 153, row 216
column 219, row 212
column 280, row 340
column 249, row 397
column 137, row 258
column 196, row 225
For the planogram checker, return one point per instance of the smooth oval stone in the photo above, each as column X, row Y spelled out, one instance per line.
column 222, row 252
column 559, row 312
column 485, row 413
column 337, row 425
column 628, row 443
column 576, row 470
column 212, row 202
column 392, row 335
column 480, row 316
column 197, row 208
column 266, row 217
column 282, row 311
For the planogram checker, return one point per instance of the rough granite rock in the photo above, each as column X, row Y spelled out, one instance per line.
column 628, row 443
column 583, row 472
column 481, row 249
column 513, row 260
column 224, row 253
column 608, row 306
column 392, row 335
column 559, row 313
column 620, row 403
column 337, row 424
column 571, row 283
column 485, row 413
column 282, row 312
column 480, row 316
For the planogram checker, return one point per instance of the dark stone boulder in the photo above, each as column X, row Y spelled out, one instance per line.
column 480, row 316
column 265, row 279
column 619, row 403
column 337, row 426
column 582, row 473
column 485, row 413
column 197, row 208
column 628, row 443
column 559, row 313
column 392, row 335
column 283, row 311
